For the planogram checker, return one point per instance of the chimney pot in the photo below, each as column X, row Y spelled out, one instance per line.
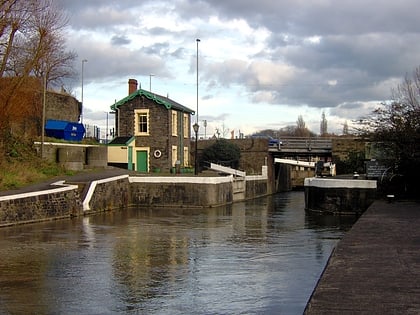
column 132, row 86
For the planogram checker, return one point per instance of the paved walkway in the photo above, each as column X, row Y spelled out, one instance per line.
column 80, row 177
column 375, row 268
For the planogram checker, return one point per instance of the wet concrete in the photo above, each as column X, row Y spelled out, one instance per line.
column 375, row 268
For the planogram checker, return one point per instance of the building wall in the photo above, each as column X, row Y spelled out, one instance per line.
column 160, row 132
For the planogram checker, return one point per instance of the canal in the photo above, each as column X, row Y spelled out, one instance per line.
column 262, row 256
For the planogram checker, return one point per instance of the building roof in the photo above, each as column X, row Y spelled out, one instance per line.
column 121, row 140
column 159, row 99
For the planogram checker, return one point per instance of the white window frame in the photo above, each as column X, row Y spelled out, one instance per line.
column 137, row 113
column 174, row 123
column 174, row 154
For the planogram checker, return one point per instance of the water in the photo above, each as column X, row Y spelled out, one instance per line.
column 258, row 257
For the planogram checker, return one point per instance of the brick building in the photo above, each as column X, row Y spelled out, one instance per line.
column 160, row 127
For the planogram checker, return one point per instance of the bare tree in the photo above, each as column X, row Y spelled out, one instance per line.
column 301, row 130
column 395, row 126
column 345, row 128
column 31, row 47
column 324, row 125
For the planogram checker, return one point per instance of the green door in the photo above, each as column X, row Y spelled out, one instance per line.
column 141, row 161
column 130, row 158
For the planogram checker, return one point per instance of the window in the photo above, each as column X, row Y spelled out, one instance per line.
column 174, row 154
column 174, row 123
column 186, row 126
column 141, row 118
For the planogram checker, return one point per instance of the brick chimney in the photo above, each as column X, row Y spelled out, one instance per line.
column 132, row 86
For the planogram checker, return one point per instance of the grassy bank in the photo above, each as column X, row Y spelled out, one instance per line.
column 19, row 173
column 21, row 166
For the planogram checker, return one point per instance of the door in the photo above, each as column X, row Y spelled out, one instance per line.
column 130, row 158
column 141, row 161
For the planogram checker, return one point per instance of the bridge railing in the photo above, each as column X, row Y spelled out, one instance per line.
column 305, row 143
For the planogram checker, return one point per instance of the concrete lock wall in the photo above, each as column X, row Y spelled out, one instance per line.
column 74, row 157
column 256, row 188
column 339, row 196
column 96, row 157
column 192, row 192
column 71, row 158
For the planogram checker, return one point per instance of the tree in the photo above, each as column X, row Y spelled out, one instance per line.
column 32, row 53
column 324, row 125
column 301, row 130
column 345, row 128
column 222, row 152
column 395, row 127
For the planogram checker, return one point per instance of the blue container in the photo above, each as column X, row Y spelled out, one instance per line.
column 65, row 130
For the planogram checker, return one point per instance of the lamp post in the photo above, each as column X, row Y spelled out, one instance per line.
column 150, row 81
column 81, row 112
column 44, row 98
column 196, row 126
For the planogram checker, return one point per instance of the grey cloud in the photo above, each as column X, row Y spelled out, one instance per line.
column 364, row 47
column 120, row 40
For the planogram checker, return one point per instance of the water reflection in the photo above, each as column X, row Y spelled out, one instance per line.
column 260, row 256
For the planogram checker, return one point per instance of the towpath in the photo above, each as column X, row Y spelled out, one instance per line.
column 375, row 268
column 80, row 177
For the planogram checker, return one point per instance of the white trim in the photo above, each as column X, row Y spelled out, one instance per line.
column 92, row 188
column 138, row 112
column 339, row 183
column 41, row 192
column 64, row 144
column 186, row 179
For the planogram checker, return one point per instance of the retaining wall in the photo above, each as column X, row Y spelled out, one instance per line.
column 181, row 191
column 36, row 206
column 122, row 191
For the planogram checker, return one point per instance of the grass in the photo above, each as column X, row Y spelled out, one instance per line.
column 21, row 166
column 17, row 173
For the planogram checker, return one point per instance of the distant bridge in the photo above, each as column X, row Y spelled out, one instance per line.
column 302, row 147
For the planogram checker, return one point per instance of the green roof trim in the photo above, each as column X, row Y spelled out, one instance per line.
column 158, row 99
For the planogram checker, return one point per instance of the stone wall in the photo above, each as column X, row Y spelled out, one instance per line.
column 342, row 146
column 39, row 206
column 254, row 153
column 62, row 106
column 108, row 194
column 160, row 132
column 123, row 191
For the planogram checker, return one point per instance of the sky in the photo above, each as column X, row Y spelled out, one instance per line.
column 261, row 64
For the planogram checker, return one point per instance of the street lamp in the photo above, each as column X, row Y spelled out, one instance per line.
column 81, row 112
column 150, row 81
column 196, row 126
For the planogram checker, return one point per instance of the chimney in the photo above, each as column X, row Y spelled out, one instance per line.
column 132, row 86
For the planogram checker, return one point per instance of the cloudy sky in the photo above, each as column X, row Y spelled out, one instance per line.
column 261, row 64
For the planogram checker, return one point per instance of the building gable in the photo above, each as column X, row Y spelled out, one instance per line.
column 158, row 99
